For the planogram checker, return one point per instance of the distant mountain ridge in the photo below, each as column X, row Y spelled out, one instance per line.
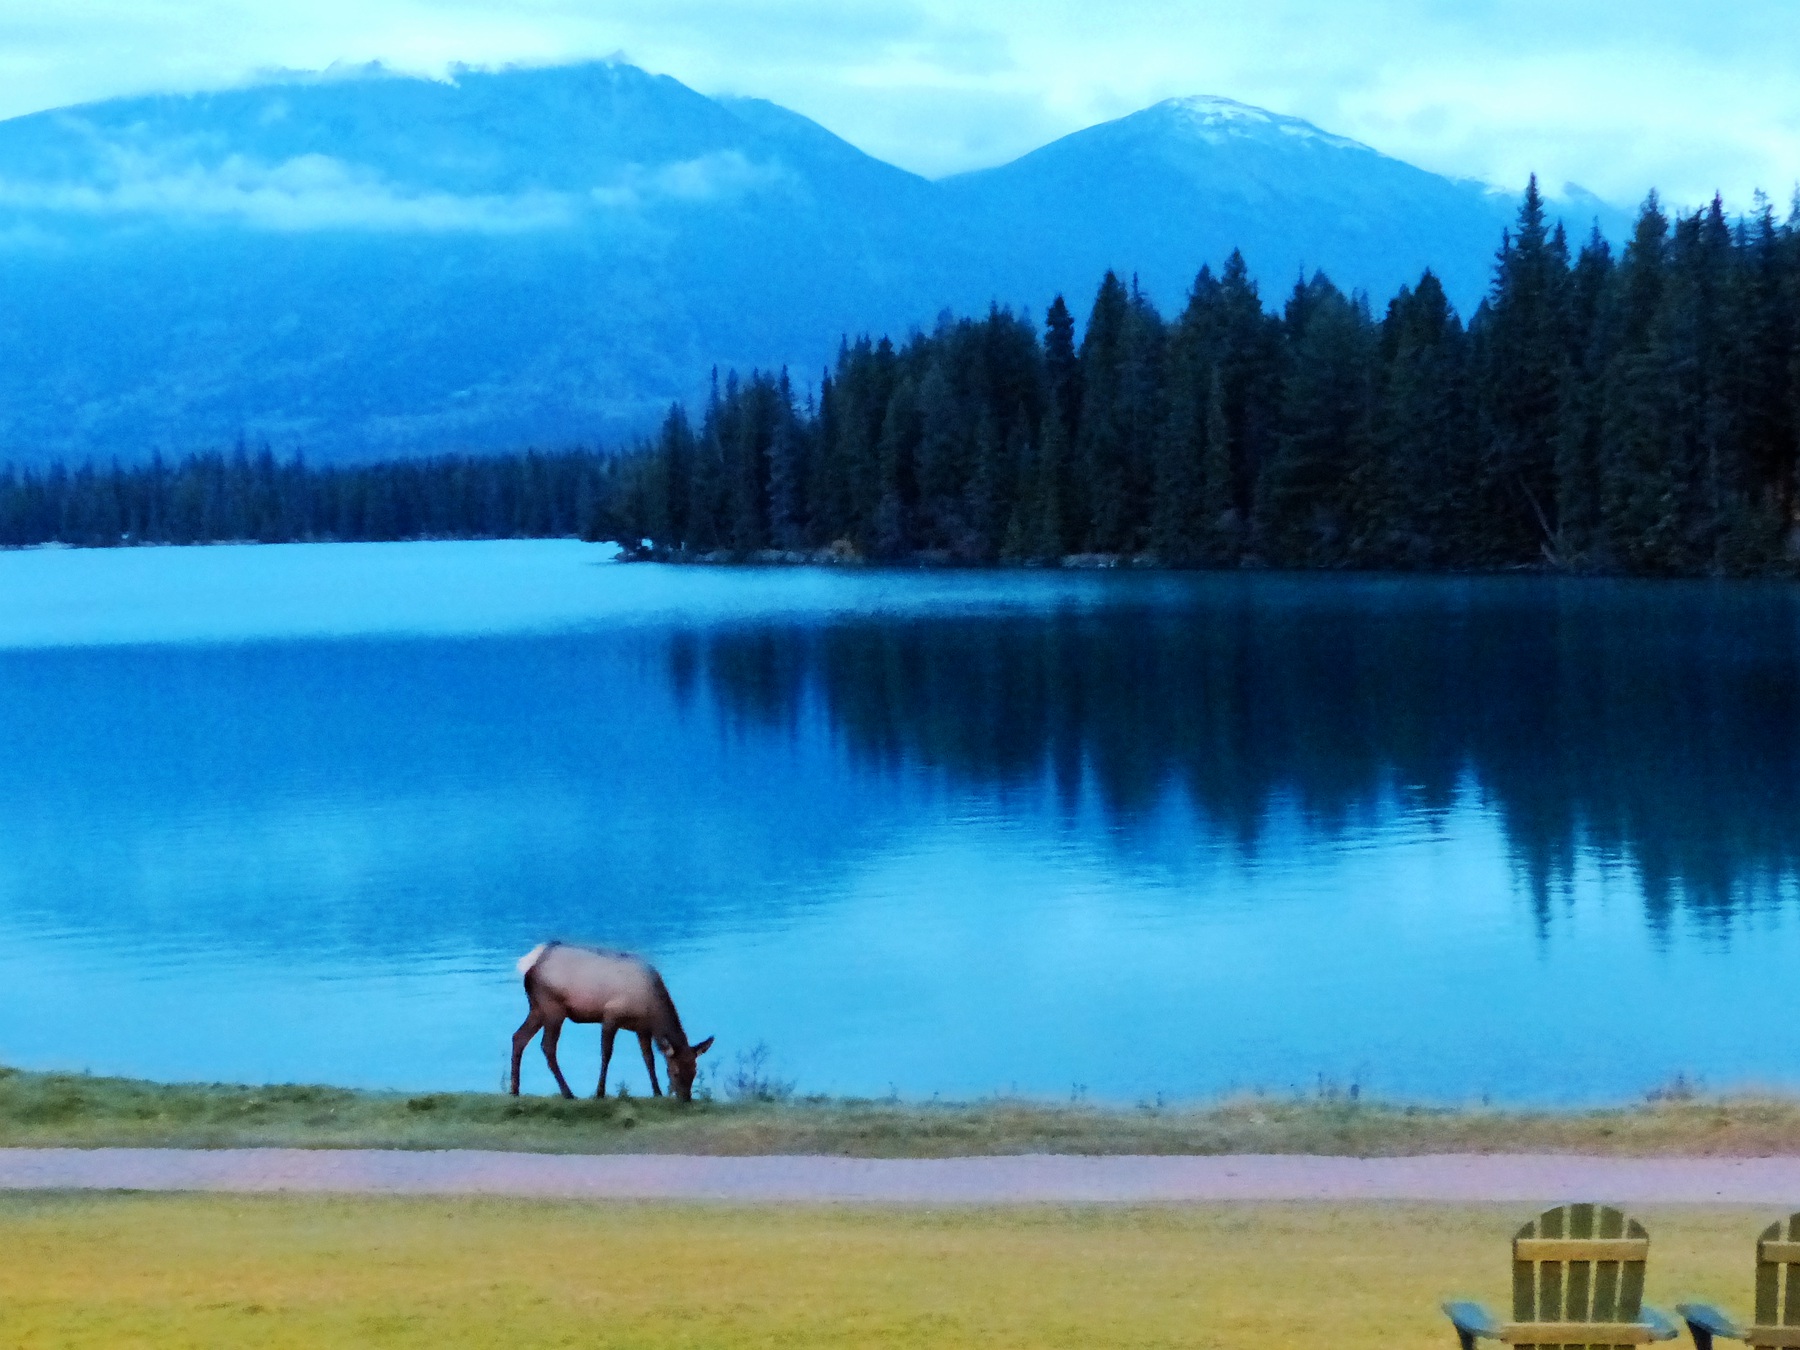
column 375, row 264
column 1197, row 177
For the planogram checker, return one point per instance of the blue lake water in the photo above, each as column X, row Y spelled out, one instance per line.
column 291, row 813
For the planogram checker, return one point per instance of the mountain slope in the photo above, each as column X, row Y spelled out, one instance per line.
column 378, row 264
column 367, row 264
column 1188, row 180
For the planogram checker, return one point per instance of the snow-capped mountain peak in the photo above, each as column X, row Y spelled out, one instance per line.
column 1214, row 119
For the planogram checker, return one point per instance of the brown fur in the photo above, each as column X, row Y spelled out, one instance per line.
column 615, row 989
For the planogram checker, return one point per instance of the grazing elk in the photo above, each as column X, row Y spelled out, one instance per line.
column 615, row 989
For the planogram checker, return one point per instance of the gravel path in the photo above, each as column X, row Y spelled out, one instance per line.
column 1008, row 1180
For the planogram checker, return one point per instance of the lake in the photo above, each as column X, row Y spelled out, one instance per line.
column 292, row 812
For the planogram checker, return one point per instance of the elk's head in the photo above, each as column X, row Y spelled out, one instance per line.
column 683, row 1065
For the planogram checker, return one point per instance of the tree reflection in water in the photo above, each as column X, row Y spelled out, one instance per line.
column 1655, row 726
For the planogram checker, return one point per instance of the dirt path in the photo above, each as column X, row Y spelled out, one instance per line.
column 1027, row 1179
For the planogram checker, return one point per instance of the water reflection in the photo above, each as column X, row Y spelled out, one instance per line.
column 1653, row 728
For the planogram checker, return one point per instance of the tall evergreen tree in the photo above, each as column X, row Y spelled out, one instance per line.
column 1524, row 345
column 1062, row 366
column 1327, row 408
column 1639, row 495
column 1413, row 493
column 1580, row 406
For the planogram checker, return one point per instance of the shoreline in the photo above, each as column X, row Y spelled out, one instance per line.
column 843, row 557
column 49, row 1110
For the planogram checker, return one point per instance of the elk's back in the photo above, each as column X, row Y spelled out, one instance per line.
column 594, row 985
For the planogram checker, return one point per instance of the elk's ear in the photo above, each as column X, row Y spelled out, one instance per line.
column 704, row 1046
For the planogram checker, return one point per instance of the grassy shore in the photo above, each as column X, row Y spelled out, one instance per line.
column 273, row 1271
column 52, row 1109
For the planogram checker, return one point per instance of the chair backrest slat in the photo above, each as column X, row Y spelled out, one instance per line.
column 1790, row 1306
column 1778, row 1283
column 1579, row 1264
column 1606, row 1280
column 1550, row 1273
column 1768, row 1281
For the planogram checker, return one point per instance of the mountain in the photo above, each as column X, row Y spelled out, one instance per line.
column 362, row 263
column 1188, row 180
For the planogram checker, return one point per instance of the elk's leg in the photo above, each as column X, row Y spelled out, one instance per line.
column 607, row 1032
column 522, row 1038
column 552, row 1033
column 650, row 1062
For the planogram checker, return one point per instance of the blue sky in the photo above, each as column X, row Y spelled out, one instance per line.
column 1616, row 96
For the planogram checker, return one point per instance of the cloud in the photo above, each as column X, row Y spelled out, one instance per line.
column 724, row 174
column 721, row 176
column 26, row 237
column 309, row 192
column 318, row 192
column 1615, row 94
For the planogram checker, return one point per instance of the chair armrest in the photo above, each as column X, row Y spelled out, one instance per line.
column 1706, row 1321
column 1665, row 1329
column 1471, row 1320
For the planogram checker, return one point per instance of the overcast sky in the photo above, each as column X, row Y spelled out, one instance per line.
column 1616, row 96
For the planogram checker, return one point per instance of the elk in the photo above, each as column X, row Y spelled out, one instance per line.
column 615, row 989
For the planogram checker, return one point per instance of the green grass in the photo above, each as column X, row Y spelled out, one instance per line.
column 65, row 1109
column 85, row 1272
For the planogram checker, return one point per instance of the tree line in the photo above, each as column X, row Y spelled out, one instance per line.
column 1636, row 412
column 253, row 496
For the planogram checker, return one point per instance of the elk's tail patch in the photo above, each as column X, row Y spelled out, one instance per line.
column 530, row 959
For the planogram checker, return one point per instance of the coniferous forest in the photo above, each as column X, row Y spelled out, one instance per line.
column 1631, row 412
column 244, row 496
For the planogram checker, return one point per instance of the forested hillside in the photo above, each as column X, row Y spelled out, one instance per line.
column 1637, row 413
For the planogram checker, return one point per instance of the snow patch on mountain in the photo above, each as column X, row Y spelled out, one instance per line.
column 1215, row 119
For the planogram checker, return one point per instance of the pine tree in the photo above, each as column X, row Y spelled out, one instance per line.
column 1755, row 348
column 942, row 459
column 1222, row 520
column 984, row 505
column 1050, row 530
column 1639, row 502
column 1248, row 370
column 1523, row 344
column 1178, row 509
column 1142, row 417
column 708, row 488
column 893, row 535
column 1096, row 480
column 1062, row 367
column 1327, row 401
column 1412, row 494
column 787, row 470
column 1579, row 409
column 669, row 519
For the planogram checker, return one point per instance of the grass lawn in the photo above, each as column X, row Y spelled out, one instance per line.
column 71, row 1109
column 193, row 1271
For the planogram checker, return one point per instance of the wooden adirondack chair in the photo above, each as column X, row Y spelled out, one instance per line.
column 1777, row 1295
column 1578, row 1280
